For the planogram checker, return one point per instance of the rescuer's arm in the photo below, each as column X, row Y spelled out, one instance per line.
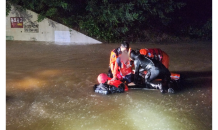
column 116, row 71
column 112, row 68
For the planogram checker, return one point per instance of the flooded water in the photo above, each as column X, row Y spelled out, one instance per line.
column 49, row 87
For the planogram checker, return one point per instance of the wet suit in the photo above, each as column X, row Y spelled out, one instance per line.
column 154, row 68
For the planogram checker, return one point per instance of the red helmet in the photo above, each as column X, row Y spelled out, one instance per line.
column 102, row 78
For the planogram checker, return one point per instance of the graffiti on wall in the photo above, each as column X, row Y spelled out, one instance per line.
column 9, row 38
column 16, row 22
column 31, row 28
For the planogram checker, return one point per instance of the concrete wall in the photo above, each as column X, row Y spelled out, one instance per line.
column 48, row 30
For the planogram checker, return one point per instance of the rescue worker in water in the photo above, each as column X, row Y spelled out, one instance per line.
column 154, row 69
column 115, row 54
column 123, row 68
column 157, row 54
column 153, row 53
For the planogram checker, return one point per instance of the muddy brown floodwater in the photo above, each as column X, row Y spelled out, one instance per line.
column 49, row 87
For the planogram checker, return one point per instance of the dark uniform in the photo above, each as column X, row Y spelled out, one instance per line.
column 154, row 68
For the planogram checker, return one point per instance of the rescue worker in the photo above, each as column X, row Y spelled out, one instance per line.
column 154, row 53
column 124, row 68
column 154, row 68
column 157, row 54
column 114, row 54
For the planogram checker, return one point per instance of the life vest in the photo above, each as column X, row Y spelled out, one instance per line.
column 155, row 53
column 125, row 69
column 113, row 57
column 117, row 83
column 175, row 76
column 165, row 60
